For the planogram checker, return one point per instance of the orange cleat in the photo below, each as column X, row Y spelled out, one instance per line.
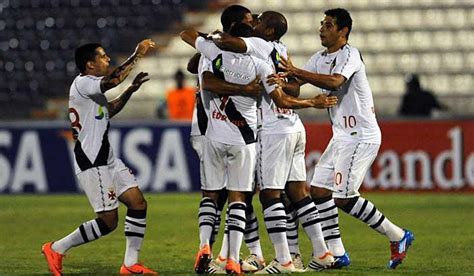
column 232, row 267
column 54, row 259
column 136, row 269
column 203, row 258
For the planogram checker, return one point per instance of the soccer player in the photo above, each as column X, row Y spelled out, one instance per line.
column 282, row 143
column 104, row 178
column 213, row 201
column 340, row 71
column 230, row 149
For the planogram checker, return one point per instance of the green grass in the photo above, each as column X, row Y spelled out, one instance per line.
column 443, row 225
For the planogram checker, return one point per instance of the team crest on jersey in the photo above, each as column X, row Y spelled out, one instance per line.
column 100, row 113
column 111, row 194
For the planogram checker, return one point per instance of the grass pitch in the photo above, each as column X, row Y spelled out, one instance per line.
column 443, row 225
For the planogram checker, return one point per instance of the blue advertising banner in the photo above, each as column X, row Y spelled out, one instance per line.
column 38, row 157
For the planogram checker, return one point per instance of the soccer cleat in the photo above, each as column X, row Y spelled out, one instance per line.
column 297, row 262
column 233, row 267
column 399, row 249
column 276, row 267
column 217, row 266
column 320, row 263
column 54, row 259
column 341, row 261
column 203, row 258
column 136, row 269
column 252, row 263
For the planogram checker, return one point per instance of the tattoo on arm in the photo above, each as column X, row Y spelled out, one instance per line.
column 115, row 106
column 119, row 74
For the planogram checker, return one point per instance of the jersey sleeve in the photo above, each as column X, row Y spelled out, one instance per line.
column 89, row 86
column 258, row 47
column 263, row 71
column 310, row 65
column 347, row 62
column 207, row 48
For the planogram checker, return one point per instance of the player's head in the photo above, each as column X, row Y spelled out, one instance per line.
column 179, row 78
column 271, row 25
column 92, row 59
column 235, row 14
column 241, row 30
column 336, row 25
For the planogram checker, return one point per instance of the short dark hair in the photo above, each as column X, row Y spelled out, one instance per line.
column 242, row 30
column 277, row 21
column 85, row 53
column 232, row 14
column 343, row 19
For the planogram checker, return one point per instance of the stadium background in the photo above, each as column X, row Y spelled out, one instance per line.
column 428, row 163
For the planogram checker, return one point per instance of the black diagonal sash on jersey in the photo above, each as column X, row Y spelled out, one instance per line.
column 275, row 56
column 101, row 160
column 233, row 115
column 201, row 115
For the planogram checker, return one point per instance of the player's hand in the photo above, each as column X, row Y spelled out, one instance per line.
column 287, row 66
column 140, row 78
column 323, row 101
column 276, row 79
column 144, row 46
column 254, row 88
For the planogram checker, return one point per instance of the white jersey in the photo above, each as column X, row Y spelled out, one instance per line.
column 90, row 123
column 199, row 120
column 274, row 120
column 353, row 118
column 233, row 119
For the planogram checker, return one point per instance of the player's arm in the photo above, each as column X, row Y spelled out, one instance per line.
column 190, row 37
column 120, row 73
column 230, row 43
column 330, row 82
column 289, row 85
column 193, row 63
column 283, row 100
column 114, row 106
column 215, row 85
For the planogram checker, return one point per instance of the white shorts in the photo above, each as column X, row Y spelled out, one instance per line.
column 343, row 166
column 281, row 159
column 231, row 164
column 197, row 142
column 103, row 185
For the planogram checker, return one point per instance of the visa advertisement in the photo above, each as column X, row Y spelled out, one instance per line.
column 414, row 156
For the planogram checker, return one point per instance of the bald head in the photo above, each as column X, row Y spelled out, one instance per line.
column 275, row 20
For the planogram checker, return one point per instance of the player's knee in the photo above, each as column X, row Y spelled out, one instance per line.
column 346, row 204
column 296, row 190
column 317, row 192
column 107, row 221
column 268, row 197
column 138, row 204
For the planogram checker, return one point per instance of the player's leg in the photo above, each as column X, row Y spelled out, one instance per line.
column 135, row 220
column 98, row 187
column 255, row 260
column 353, row 170
column 272, row 173
column 292, row 225
column 241, row 161
column 322, row 186
column 305, row 208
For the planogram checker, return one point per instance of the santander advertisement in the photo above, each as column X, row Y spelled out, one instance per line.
column 415, row 155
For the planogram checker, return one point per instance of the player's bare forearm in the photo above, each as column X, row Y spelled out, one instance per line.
column 120, row 73
column 283, row 100
column 116, row 105
column 193, row 64
column 189, row 36
column 218, row 86
column 330, row 82
column 292, row 88
column 229, row 43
